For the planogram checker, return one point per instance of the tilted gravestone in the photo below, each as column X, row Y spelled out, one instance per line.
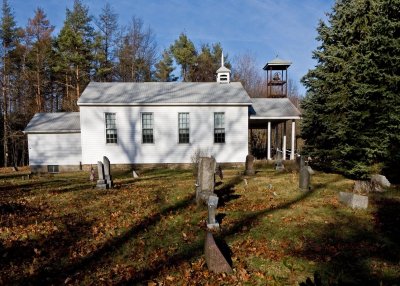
column 101, row 183
column 304, row 179
column 212, row 207
column 205, row 178
column 380, row 180
column 353, row 200
column 107, row 172
column 216, row 262
column 249, row 170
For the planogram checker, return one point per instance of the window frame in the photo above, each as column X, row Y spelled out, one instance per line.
column 143, row 129
column 188, row 128
column 222, row 139
column 114, row 128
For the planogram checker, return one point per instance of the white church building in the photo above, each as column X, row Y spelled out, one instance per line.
column 156, row 123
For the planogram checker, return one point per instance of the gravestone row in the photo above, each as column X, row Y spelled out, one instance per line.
column 205, row 184
column 104, row 172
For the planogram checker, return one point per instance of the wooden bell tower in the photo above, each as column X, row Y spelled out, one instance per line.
column 277, row 78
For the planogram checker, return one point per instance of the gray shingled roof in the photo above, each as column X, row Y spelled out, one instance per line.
column 164, row 93
column 60, row 122
column 273, row 108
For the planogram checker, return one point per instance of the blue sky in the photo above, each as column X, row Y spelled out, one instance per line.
column 263, row 28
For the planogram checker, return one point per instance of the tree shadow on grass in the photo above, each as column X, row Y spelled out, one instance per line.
column 352, row 252
column 59, row 272
column 225, row 192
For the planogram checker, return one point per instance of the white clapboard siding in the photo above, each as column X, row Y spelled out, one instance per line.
column 166, row 148
column 55, row 149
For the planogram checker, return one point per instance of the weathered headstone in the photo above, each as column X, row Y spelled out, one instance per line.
column 205, row 178
column 101, row 183
column 107, row 172
column 310, row 170
column 216, row 262
column 304, row 179
column 249, row 167
column 91, row 174
column 279, row 162
column 380, row 180
column 353, row 200
column 212, row 207
column 364, row 186
column 300, row 161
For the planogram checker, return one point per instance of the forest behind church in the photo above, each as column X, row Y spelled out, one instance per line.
column 44, row 71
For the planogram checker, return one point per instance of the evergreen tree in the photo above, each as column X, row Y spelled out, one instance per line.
column 185, row 55
column 107, row 24
column 207, row 63
column 164, row 68
column 39, row 56
column 74, row 46
column 8, row 38
column 351, row 110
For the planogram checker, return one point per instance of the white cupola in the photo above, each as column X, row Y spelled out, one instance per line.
column 223, row 73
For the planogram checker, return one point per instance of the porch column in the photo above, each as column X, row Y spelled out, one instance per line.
column 284, row 141
column 269, row 141
column 293, row 138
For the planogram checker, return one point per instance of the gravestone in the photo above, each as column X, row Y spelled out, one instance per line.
column 310, row 170
column 107, row 172
column 134, row 174
column 219, row 172
column 205, row 178
column 364, row 186
column 279, row 162
column 380, row 180
column 216, row 262
column 212, row 207
column 300, row 161
column 249, row 167
column 353, row 200
column 304, row 179
column 101, row 183
column 91, row 174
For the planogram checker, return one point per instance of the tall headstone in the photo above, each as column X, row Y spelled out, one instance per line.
column 216, row 262
column 107, row 172
column 205, row 178
column 279, row 162
column 212, row 208
column 101, row 183
column 301, row 161
column 249, row 171
column 304, row 179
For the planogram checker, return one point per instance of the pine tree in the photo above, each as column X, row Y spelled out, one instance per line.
column 164, row 68
column 39, row 55
column 8, row 37
column 351, row 110
column 74, row 46
column 105, row 42
column 185, row 55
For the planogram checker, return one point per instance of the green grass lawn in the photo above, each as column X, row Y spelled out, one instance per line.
column 61, row 230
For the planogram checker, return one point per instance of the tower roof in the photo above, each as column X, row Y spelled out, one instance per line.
column 277, row 64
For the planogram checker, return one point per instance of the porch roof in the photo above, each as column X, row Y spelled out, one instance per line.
column 273, row 109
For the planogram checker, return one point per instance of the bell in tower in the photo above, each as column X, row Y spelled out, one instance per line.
column 277, row 78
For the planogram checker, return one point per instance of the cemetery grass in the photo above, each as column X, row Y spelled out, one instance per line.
column 59, row 229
